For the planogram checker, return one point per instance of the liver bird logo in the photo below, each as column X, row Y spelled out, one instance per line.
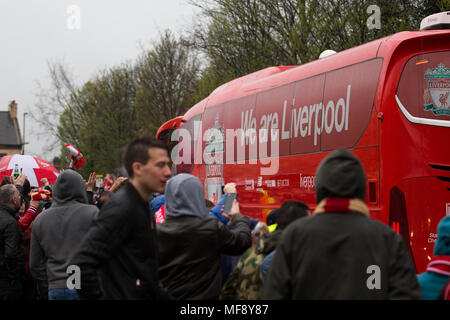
column 443, row 99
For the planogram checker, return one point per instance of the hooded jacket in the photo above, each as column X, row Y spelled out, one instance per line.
column 58, row 231
column 438, row 270
column 340, row 252
column 190, row 242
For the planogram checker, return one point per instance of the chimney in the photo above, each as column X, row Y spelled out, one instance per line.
column 12, row 108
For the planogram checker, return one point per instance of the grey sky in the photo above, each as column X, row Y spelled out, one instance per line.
column 33, row 32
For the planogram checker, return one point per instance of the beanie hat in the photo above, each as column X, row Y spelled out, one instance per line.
column 272, row 217
column 340, row 175
column 442, row 245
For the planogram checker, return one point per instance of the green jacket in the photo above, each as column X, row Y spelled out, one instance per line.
column 245, row 282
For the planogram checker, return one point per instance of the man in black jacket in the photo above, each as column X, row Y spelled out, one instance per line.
column 190, row 242
column 340, row 252
column 117, row 258
column 12, row 259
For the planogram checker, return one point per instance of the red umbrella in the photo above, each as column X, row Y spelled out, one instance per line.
column 34, row 168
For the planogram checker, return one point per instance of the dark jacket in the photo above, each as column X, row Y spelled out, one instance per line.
column 190, row 242
column 341, row 252
column 12, row 260
column 117, row 258
column 329, row 256
column 58, row 231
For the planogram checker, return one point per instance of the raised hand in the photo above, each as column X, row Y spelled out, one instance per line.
column 20, row 179
column 91, row 182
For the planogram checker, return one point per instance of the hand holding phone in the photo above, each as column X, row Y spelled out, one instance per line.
column 231, row 197
column 231, row 206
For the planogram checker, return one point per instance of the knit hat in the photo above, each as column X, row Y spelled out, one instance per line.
column 442, row 245
column 272, row 217
column 340, row 175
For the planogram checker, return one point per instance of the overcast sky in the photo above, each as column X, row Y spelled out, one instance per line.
column 34, row 32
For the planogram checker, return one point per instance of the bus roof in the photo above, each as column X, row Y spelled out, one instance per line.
column 272, row 77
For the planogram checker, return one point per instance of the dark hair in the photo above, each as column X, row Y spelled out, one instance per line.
column 105, row 196
column 209, row 205
column 6, row 180
column 290, row 211
column 44, row 204
column 137, row 151
column 26, row 187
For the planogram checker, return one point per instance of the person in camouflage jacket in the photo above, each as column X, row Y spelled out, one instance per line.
column 245, row 282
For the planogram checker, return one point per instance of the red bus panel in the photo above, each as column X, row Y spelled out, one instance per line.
column 308, row 96
column 348, row 101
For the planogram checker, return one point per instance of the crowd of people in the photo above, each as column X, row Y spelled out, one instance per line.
column 155, row 236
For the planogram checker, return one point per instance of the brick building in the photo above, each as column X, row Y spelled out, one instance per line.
column 10, row 138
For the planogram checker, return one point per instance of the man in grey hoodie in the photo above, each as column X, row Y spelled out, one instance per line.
column 57, row 233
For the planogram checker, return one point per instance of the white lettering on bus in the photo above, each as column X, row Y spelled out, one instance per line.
column 329, row 117
column 284, row 134
column 307, row 182
column 249, row 127
column 332, row 116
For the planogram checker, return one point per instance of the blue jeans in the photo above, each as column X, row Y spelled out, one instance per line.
column 63, row 294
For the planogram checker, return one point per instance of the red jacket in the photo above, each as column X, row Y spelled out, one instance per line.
column 25, row 224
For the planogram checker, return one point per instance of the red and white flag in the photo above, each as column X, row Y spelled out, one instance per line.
column 76, row 156
column 160, row 215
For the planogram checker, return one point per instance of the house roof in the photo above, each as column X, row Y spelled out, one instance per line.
column 9, row 131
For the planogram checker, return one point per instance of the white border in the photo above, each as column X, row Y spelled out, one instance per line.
column 431, row 122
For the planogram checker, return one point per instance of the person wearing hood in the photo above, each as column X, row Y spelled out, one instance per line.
column 438, row 270
column 340, row 252
column 12, row 259
column 190, row 242
column 58, row 231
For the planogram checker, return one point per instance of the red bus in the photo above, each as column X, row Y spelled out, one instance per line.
column 387, row 101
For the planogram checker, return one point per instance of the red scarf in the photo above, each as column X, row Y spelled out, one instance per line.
column 440, row 265
column 342, row 205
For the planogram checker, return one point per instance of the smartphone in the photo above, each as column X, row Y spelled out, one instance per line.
column 229, row 202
